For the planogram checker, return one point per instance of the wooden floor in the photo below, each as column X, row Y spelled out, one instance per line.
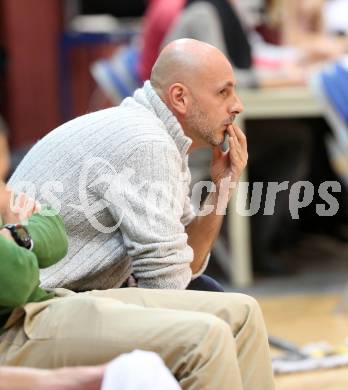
column 305, row 319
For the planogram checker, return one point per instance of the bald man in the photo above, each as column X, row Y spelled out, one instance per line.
column 120, row 179
column 121, row 182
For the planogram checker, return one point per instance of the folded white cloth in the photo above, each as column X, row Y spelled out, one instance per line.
column 138, row 370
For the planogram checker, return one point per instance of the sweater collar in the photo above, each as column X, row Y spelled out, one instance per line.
column 148, row 97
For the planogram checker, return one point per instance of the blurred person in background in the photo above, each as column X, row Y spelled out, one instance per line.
column 5, row 161
column 217, row 23
column 306, row 26
column 158, row 19
column 8, row 159
column 300, row 23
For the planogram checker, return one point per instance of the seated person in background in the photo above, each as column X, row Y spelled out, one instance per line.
column 124, row 179
column 158, row 18
column 229, row 32
column 207, row 340
column 225, row 32
column 303, row 24
column 299, row 23
column 4, row 152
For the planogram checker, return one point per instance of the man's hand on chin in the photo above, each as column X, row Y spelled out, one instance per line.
column 231, row 163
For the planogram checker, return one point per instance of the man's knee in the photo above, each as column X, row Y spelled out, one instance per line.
column 208, row 343
column 250, row 303
column 239, row 310
column 213, row 330
column 253, row 309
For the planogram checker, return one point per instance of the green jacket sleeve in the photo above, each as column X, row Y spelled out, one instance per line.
column 19, row 274
column 19, row 268
column 49, row 236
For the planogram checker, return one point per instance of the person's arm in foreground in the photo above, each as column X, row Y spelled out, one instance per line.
column 19, row 267
column 50, row 239
column 45, row 226
column 118, row 374
column 226, row 169
column 75, row 378
column 19, row 272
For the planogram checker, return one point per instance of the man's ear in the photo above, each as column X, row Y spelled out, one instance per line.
column 178, row 98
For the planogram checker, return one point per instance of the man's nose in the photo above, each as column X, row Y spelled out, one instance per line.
column 236, row 106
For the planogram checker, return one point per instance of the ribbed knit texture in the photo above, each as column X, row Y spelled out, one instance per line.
column 138, row 172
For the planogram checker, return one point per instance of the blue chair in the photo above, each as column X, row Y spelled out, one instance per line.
column 335, row 84
column 118, row 76
column 331, row 88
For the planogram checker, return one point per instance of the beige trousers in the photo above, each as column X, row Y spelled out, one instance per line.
column 208, row 340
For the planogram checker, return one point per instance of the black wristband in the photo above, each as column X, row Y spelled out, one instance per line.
column 20, row 235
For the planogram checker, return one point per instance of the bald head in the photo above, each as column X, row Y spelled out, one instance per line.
column 186, row 61
column 196, row 82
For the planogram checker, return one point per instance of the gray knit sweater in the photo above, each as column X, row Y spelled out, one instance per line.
column 120, row 180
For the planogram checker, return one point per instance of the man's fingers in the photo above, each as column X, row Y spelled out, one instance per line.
column 241, row 137
column 234, row 152
column 237, row 131
column 238, row 155
column 236, row 143
column 240, row 141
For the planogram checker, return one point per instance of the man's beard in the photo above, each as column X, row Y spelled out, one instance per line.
column 197, row 120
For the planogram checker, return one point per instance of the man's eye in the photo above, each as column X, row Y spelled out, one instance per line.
column 223, row 92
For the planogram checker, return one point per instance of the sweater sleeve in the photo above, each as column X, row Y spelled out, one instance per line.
column 19, row 274
column 49, row 236
column 149, row 204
